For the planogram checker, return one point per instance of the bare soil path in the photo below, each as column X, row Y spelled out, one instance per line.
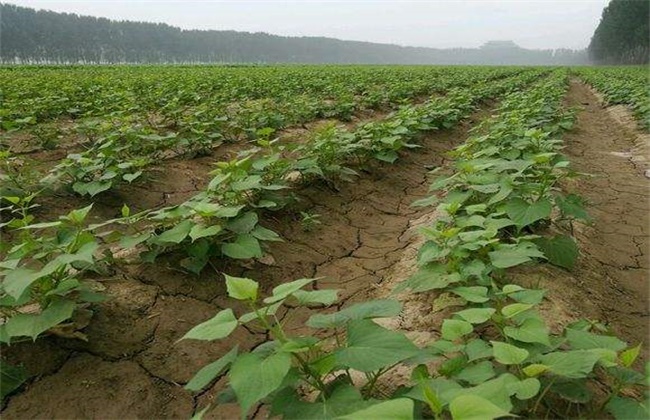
column 610, row 282
column 132, row 367
column 613, row 272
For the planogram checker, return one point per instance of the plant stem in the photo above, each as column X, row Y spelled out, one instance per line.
column 542, row 395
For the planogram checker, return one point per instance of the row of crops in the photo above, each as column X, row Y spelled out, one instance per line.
column 190, row 112
column 622, row 85
column 495, row 357
column 190, row 98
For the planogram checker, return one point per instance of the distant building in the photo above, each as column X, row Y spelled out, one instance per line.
column 500, row 45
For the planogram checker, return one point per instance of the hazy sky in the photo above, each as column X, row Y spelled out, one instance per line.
column 433, row 23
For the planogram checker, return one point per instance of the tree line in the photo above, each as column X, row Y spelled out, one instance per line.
column 31, row 36
column 623, row 34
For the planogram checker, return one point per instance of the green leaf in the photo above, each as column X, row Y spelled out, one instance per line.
column 476, row 315
column 244, row 223
column 532, row 297
column 561, row 251
column 207, row 209
column 131, row 241
column 494, row 390
column 453, row 329
column 200, row 231
column 473, row 236
column 11, row 378
column 84, row 254
column 476, row 268
column 130, row 177
column 176, row 234
column 497, row 224
column 431, row 251
column 446, row 300
column 299, row 344
column 514, row 309
column 505, row 189
column 324, row 297
column 511, row 288
column 364, row 337
column 432, row 276
column 508, row 354
column 476, row 208
column 420, row 373
column 535, row 369
column 426, row 202
column 64, row 287
column 241, row 288
column 389, row 156
column 42, row 225
column 343, row 400
column 572, row 206
column 570, row 364
column 441, row 389
column 91, row 188
column 219, row 179
column 476, row 294
column 431, row 398
column 627, row 409
column 381, row 308
column 397, row 409
column 575, row 391
column 524, row 213
column 265, row 311
column 445, row 346
column 79, row 215
column 476, row 374
column 625, row 375
column 17, row 281
column 245, row 247
column 629, row 356
column 32, row 325
column 486, row 189
column 249, row 183
column 282, row 291
column 126, row 211
column 209, row 372
column 228, row 212
column 253, row 377
column 473, row 407
column 532, row 330
column 584, row 340
column 511, row 255
column 477, row 349
column 525, row 389
column 264, row 234
column 218, row 327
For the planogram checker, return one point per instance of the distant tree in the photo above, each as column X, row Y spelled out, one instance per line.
column 31, row 36
column 623, row 35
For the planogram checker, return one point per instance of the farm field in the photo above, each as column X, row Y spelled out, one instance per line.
column 324, row 241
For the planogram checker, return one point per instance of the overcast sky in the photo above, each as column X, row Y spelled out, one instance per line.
column 433, row 23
